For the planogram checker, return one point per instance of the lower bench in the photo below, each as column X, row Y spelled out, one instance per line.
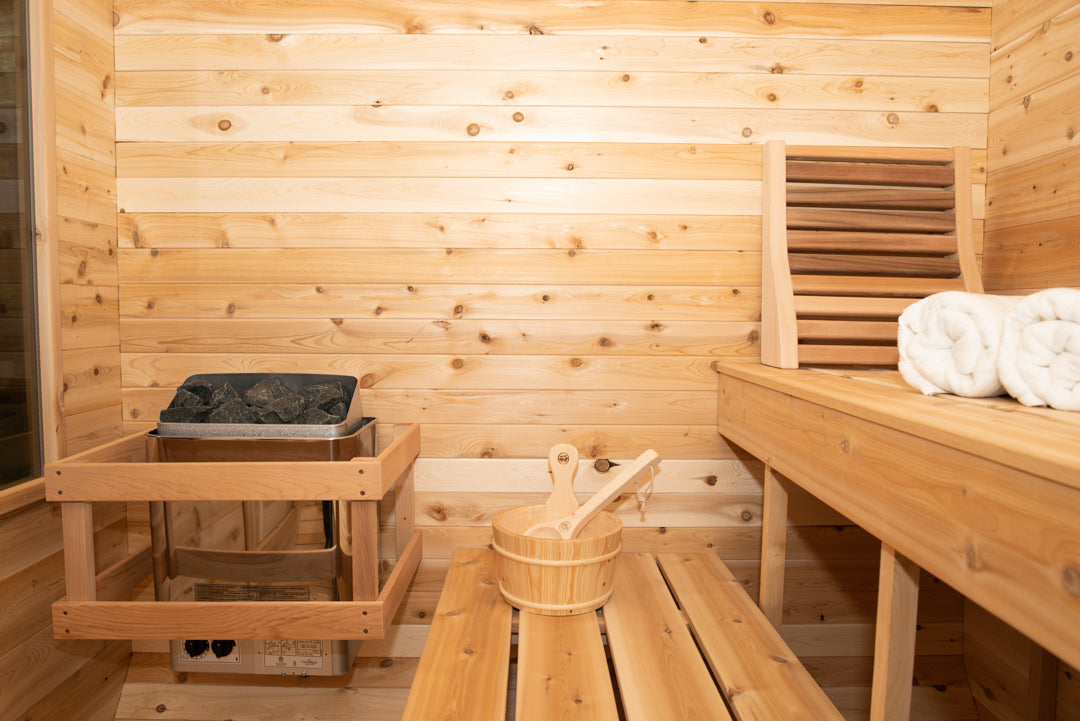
column 660, row 672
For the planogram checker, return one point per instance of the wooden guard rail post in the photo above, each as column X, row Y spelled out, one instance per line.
column 123, row 471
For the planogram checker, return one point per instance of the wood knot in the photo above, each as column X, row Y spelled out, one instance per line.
column 746, row 516
column 458, row 310
column 457, row 364
column 626, row 77
column 230, row 308
column 437, row 512
column 1068, row 57
column 892, row 119
column 569, row 166
column 605, row 342
column 931, row 108
column 388, row 662
column 484, row 338
column 224, row 124
column 769, row 18
column 576, row 362
column 703, row 40
column 473, row 129
column 602, row 465
column 711, row 480
column 777, row 69
column 275, row 37
column 747, row 132
column 519, row 117
column 1071, row 577
column 771, row 97
column 414, row 29
column 545, row 298
column 368, row 380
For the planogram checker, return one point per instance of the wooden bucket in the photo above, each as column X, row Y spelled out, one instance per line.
column 555, row 576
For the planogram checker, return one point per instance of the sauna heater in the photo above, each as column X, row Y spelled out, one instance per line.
column 257, row 550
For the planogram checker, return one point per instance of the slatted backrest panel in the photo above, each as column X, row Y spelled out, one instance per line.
column 851, row 237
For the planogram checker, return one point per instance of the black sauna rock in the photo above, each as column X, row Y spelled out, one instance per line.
column 201, row 388
column 223, row 395
column 187, row 399
column 316, row 417
column 265, row 392
column 234, row 411
column 323, row 396
column 339, row 411
column 185, row 414
column 283, row 410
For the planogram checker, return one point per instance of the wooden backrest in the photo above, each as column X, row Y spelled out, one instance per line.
column 851, row 237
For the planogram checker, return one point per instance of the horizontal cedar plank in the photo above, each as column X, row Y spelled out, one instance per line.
column 1018, row 17
column 463, row 195
column 938, row 701
column 1044, row 123
column 818, row 305
column 92, row 428
column 438, row 230
column 438, row 301
column 236, row 52
column 202, row 702
column 829, row 219
column 470, row 337
column 93, row 16
column 669, row 510
column 1043, row 189
column 88, row 317
column 83, row 60
column 1028, row 257
column 419, row 159
column 91, row 378
column 91, row 693
column 869, row 241
column 592, row 267
column 864, row 265
column 828, row 354
column 865, row 173
column 85, row 189
column 85, row 127
column 493, row 441
column 37, row 666
column 87, row 252
column 521, row 17
column 811, row 330
column 742, row 542
column 611, row 88
column 474, row 372
column 1035, row 59
column 897, row 199
column 500, row 406
column 931, row 639
column 873, row 286
column 530, row 475
column 548, row 123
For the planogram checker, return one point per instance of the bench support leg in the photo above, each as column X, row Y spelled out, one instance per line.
column 773, row 547
column 894, row 642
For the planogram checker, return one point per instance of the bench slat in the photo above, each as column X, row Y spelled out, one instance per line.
column 465, row 665
column 562, row 670
column 660, row 672
column 772, row 683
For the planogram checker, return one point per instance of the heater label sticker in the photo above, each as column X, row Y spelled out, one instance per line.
column 218, row 592
column 293, row 654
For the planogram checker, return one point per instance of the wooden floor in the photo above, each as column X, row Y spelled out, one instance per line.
column 377, row 687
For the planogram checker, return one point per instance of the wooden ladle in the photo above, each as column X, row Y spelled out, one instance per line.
column 569, row 526
column 563, row 466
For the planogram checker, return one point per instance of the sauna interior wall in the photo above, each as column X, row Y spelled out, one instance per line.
column 41, row 678
column 518, row 223
column 1033, row 191
column 1032, row 242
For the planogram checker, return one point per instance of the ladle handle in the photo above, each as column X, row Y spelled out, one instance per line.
column 610, row 490
column 563, row 465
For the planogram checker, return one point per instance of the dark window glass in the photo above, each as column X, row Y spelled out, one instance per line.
column 20, row 437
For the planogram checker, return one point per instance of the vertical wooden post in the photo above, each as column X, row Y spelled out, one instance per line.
column 403, row 510
column 779, row 336
column 1042, row 684
column 365, row 550
column 963, row 217
column 773, row 547
column 894, row 640
column 79, row 574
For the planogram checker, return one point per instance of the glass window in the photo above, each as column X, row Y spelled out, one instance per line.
column 20, row 435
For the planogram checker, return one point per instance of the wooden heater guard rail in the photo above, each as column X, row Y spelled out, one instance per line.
column 124, row 470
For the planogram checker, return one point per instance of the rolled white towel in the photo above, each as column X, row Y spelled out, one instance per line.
column 1039, row 363
column 949, row 343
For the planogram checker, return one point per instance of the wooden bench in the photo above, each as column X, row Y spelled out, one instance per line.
column 674, row 624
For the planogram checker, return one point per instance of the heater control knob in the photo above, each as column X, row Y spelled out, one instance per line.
column 222, row 649
column 195, row 649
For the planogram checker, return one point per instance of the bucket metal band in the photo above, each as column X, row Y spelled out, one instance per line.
column 583, row 606
column 548, row 562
